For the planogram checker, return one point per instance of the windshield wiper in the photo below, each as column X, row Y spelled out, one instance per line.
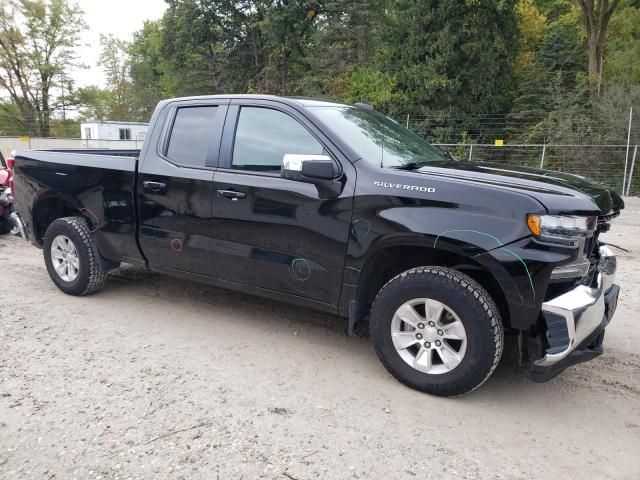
column 409, row 166
column 447, row 154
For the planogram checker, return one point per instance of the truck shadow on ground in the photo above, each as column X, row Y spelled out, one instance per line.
column 162, row 286
column 320, row 328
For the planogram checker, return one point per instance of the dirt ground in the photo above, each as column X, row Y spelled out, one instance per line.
column 155, row 377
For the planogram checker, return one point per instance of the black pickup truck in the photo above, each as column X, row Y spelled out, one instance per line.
column 339, row 208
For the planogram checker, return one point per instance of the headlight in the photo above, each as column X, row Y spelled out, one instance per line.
column 561, row 228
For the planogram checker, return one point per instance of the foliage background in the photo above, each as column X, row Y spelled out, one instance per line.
column 462, row 71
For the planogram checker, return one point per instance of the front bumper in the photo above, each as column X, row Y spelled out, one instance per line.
column 576, row 322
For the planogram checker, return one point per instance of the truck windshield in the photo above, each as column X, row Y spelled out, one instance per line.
column 378, row 139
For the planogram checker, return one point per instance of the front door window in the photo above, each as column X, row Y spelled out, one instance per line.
column 264, row 136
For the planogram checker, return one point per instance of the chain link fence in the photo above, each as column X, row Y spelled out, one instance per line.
column 602, row 151
column 602, row 163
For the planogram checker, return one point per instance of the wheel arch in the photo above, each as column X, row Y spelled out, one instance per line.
column 388, row 260
column 48, row 209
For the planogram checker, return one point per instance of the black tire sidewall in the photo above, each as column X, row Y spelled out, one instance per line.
column 478, row 361
column 5, row 222
column 63, row 227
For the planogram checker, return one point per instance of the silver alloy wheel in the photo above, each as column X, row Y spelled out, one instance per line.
column 64, row 257
column 428, row 336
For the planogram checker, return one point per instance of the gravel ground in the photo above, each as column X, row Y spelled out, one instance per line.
column 155, row 377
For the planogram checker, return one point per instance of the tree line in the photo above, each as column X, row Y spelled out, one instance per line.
column 563, row 69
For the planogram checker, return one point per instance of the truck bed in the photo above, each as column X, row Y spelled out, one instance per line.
column 119, row 159
column 101, row 182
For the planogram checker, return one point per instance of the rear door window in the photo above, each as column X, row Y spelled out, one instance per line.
column 192, row 135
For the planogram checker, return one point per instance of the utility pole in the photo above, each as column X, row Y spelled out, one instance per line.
column 64, row 100
column 633, row 164
column 626, row 157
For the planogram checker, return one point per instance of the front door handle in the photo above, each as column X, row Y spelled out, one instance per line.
column 154, row 186
column 231, row 194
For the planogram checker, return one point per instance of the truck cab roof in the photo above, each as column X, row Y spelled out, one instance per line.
column 293, row 101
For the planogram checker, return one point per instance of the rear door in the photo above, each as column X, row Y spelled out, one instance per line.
column 272, row 232
column 175, row 184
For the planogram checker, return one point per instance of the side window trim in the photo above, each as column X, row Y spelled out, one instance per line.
column 163, row 144
column 213, row 151
column 228, row 136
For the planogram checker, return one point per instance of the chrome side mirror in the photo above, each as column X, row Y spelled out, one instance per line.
column 309, row 168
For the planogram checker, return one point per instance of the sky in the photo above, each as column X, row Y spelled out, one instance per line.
column 117, row 17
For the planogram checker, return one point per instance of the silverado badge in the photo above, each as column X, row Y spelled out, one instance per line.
column 402, row 186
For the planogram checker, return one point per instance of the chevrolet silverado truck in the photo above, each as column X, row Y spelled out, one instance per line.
column 338, row 208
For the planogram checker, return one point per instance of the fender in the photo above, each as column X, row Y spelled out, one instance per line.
column 457, row 224
column 521, row 268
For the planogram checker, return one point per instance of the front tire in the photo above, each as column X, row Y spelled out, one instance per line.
column 71, row 257
column 437, row 330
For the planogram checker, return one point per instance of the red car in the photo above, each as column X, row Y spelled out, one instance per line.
column 6, row 198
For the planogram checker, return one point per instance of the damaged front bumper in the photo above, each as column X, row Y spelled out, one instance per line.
column 576, row 322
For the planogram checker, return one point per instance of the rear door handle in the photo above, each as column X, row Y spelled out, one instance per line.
column 154, row 186
column 231, row 194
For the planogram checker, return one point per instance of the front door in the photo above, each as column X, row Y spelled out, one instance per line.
column 175, row 188
column 272, row 232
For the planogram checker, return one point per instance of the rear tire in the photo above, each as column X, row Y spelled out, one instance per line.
column 457, row 337
column 6, row 225
column 73, row 247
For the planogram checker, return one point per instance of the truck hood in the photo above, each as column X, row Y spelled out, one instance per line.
column 558, row 192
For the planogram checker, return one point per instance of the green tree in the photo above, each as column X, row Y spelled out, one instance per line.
column 115, row 59
column 92, row 103
column 148, row 68
column 286, row 28
column 239, row 46
column 344, row 51
column 10, row 115
column 452, row 55
column 532, row 25
column 37, row 49
column 552, row 97
column 373, row 86
column 454, row 60
column 622, row 62
column 554, row 9
column 192, row 47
